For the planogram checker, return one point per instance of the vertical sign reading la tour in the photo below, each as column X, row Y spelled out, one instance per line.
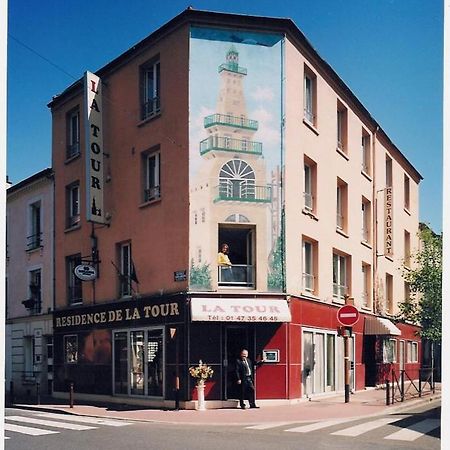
column 94, row 148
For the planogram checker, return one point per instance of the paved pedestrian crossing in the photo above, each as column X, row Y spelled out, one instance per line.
column 42, row 423
column 407, row 433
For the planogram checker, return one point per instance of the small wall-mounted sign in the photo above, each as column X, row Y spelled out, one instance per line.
column 179, row 275
column 271, row 356
column 85, row 272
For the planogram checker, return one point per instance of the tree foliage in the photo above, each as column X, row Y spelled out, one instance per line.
column 425, row 303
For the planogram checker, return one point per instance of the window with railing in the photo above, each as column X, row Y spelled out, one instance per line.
column 151, row 90
column 309, row 265
column 309, row 185
column 152, row 176
column 365, row 152
column 310, row 96
column 366, row 214
column 389, row 294
column 406, row 191
column 73, row 204
column 34, row 240
column 341, row 115
column 125, row 288
column 366, row 298
column 35, row 291
column 407, row 251
column 340, row 274
column 74, row 289
column 73, row 133
column 341, row 205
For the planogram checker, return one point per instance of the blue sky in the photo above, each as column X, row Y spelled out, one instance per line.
column 389, row 52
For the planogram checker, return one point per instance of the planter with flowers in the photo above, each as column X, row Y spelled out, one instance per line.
column 201, row 373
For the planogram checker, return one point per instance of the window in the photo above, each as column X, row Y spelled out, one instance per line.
column 365, row 152
column 366, row 220
column 406, row 192
column 310, row 184
column 341, row 205
column 74, row 290
column 389, row 351
column 407, row 259
column 367, row 285
column 125, row 270
column 388, row 171
column 73, row 204
column 407, row 289
column 341, row 124
column 71, row 349
column 309, row 265
column 152, row 185
column 35, row 290
column 412, row 352
column 237, row 180
column 389, row 294
column 340, row 274
column 151, row 92
column 73, row 133
column 310, row 97
column 34, row 240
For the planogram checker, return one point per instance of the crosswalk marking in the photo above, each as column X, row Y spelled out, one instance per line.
column 83, row 419
column 27, row 430
column 49, row 423
column 318, row 425
column 365, row 427
column 266, row 426
column 415, row 431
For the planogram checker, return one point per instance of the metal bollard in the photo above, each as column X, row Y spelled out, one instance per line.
column 71, row 395
column 402, row 381
column 388, row 394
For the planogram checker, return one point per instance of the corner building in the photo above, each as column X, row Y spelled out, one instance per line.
column 221, row 128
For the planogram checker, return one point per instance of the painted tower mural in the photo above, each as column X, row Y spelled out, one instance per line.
column 235, row 160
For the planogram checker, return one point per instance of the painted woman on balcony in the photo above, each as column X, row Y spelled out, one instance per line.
column 224, row 263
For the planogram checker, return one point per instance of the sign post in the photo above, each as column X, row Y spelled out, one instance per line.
column 347, row 315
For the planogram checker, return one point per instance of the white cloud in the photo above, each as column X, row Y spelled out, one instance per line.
column 263, row 93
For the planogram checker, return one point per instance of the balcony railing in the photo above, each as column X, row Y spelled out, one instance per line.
column 34, row 241
column 246, row 193
column 152, row 193
column 226, row 144
column 72, row 150
column 232, row 121
column 339, row 221
column 151, row 108
column 232, row 67
column 309, row 115
column 239, row 275
column 339, row 291
column 308, row 282
column 309, row 201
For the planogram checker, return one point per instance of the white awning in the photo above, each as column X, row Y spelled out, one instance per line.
column 380, row 325
column 239, row 310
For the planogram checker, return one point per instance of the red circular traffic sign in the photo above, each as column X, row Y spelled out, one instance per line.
column 348, row 315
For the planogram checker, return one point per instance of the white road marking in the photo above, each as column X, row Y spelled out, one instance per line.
column 366, row 426
column 83, row 419
column 49, row 423
column 318, row 425
column 415, row 431
column 266, row 426
column 27, row 430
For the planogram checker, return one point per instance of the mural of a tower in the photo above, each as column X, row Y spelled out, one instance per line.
column 231, row 195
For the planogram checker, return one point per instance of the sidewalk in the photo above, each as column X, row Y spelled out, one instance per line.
column 362, row 404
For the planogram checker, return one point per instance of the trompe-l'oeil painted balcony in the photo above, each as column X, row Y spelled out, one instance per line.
column 226, row 144
column 232, row 67
column 242, row 192
column 230, row 121
column 238, row 275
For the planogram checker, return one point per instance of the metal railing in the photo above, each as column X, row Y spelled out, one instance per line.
column 152, row 193
column 247, row 193
column 34, row 241
column 241, row 275
column 308, row 282
column 339, row 221
column 229, row 120
column 227, row 144
column 151, row 107
column 339, row 291
column 365, row 235
column 309, row 201
column 309, row 115
column 72, row 150
column 232, row 67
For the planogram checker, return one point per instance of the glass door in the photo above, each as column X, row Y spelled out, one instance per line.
column 155, row 363
column 137, row 346
column 121, row 363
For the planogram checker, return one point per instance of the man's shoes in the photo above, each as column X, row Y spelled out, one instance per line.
column 254, row 407
column 243, row 407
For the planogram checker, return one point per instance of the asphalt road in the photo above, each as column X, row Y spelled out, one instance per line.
column 414, row 429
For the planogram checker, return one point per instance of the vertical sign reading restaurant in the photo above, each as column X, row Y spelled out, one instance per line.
column 94, row 148
column 388, row 247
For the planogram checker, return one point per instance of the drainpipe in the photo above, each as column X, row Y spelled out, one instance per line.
column 375, row 223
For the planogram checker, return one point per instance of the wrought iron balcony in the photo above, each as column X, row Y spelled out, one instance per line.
column 232, row 67
column 231, row 121
column 245, row 192
column 34, row 241
column 238, row 275
column 226, row 144
column 150, row 108
column 152, row 193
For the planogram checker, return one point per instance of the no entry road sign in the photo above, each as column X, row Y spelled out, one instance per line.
column 348, row 315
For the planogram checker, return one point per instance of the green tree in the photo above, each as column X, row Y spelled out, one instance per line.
column 200, row 276
column 275, row 279
column 425, row 303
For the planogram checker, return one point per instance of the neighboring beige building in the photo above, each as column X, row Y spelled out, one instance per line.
column 29, row 291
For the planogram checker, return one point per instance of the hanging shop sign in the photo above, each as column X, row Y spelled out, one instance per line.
column 94, row 148
column 388, row 246
column 85, row 272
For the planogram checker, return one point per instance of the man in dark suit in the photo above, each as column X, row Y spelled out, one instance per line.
column 244, row 374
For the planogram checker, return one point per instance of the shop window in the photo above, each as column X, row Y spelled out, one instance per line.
column 151, row 89
column 74, row 289
column 71, row 349
column 365, row 152
column 412, row 351
column 73, row 133
column 389, row 351
column 152, row 176
column 73, row 204
column 34, row 240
